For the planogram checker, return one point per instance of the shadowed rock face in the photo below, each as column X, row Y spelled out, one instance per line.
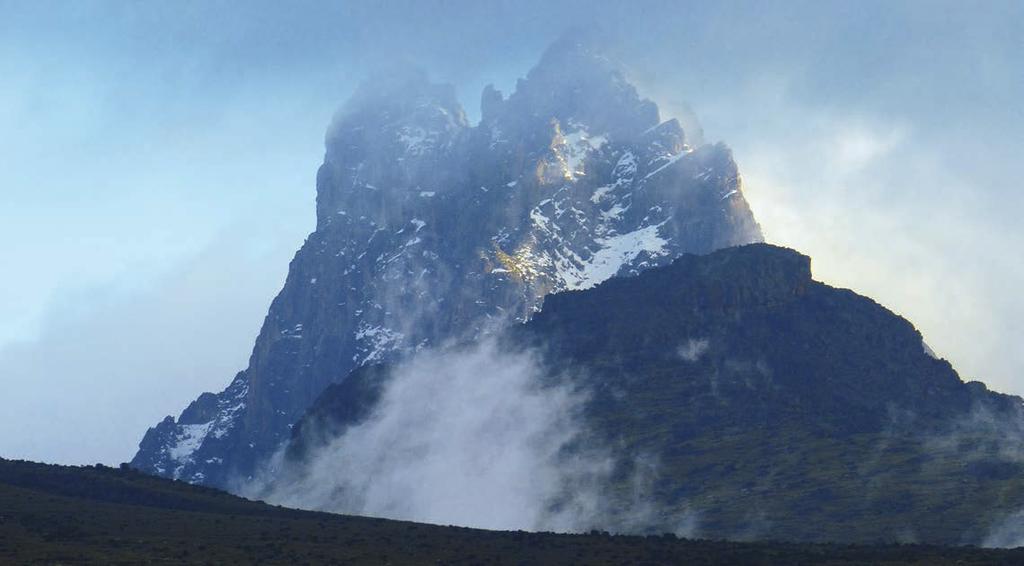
column 771, row 405
column 430, row 229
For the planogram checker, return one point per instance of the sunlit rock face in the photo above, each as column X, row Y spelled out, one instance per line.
column 430, row 229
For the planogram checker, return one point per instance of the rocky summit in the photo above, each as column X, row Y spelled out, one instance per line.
column 431, row 229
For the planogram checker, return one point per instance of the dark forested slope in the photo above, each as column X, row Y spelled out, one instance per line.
column 66, row 515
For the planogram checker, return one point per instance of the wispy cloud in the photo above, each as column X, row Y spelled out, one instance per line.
column 476, row 437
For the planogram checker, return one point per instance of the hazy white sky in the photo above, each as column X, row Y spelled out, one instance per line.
column 157, row 166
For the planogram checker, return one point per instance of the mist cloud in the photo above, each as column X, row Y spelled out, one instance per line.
column 990, row 442
column 475, row 437
column 693, row 349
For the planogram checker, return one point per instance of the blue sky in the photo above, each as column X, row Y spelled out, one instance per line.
column 157, row 168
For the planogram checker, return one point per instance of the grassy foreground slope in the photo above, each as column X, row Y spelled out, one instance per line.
column 70, row 515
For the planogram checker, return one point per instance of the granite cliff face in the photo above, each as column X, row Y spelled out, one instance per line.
column 431, row 229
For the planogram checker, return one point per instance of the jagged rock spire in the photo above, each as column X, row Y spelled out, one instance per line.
column 576, row 82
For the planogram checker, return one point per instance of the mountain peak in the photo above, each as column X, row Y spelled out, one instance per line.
column 575, row 81
column 400, row 101
column 398, row 85
column 429, row 229
column 397, row 128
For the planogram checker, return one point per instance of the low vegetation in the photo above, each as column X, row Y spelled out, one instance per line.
column 99, row 515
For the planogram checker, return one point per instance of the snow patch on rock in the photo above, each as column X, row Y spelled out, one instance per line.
column 615, row 252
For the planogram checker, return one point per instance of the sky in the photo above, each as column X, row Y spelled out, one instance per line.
column 158, row 161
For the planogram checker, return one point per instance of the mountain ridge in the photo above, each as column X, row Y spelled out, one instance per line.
column 774, row 407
